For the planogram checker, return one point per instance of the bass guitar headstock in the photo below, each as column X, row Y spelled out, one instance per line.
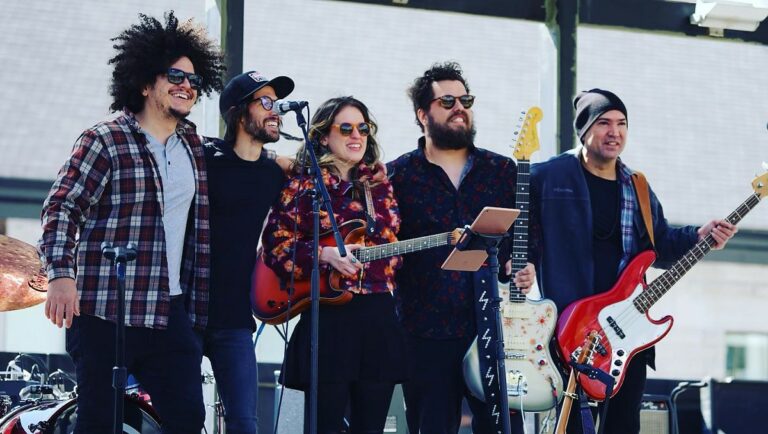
column 760, row 183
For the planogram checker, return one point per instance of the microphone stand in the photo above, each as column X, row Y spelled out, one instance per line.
column 320, row 198
column 119, row 257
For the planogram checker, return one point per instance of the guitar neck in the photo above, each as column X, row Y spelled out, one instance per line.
column 519, row 254
column 368, row 254
column 664, row 282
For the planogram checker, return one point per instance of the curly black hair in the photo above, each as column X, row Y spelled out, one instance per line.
column 421, row 93
column 147, row 49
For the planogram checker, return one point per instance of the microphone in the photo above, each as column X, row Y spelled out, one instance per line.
column 283, row 107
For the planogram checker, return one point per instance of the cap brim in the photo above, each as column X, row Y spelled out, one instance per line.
column 282, row 85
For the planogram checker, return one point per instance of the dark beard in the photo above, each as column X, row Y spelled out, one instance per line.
column 445, row 137
column 258, row 133
column 175, row 114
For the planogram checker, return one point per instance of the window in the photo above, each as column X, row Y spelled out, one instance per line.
column 747, row 356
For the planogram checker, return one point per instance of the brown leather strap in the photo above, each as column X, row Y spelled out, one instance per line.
column 644, row 198
column 370, row 211
column 369, row 200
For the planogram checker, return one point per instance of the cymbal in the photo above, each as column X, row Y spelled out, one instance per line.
column 22, row 279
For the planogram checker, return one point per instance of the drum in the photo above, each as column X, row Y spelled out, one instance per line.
column 58, row 417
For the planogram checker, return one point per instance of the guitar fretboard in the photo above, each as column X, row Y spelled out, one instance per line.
column 367, row 254
column 664, row 282
column 519, row 254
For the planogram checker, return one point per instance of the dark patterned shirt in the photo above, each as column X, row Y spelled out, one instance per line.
column 110, row 190
column 434, row 303
column 347, row 203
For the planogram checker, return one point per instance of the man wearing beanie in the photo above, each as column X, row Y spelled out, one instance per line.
column 586, row 225
column 243, row 182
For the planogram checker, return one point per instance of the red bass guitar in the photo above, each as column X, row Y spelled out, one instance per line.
column 620, row 316
column 269, row 293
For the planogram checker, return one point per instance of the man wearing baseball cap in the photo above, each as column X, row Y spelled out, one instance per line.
column 586, row 225
column 243, row 182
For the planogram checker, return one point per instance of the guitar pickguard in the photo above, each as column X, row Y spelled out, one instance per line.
column 533, row 383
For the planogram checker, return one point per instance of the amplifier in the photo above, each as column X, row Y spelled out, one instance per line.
column 734, row 407
column 654, row 415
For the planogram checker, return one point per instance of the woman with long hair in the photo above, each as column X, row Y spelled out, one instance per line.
column 361, row 345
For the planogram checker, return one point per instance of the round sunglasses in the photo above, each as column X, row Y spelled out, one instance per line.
column 345, row 128
column 177, row 76
column 265, row 102
column 448, row 101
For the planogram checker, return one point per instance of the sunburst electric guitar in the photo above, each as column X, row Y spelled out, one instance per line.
column 533, row 383
column 270, row 298
column 621, row 315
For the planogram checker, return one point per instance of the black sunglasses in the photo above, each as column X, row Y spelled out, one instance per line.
column 265, row 101
column 448, row 101
column 176, row 76
column 364, row 128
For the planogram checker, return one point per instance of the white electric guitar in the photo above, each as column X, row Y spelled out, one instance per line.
column 533, row 383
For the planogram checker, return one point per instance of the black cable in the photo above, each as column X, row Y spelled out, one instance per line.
column 33, row 358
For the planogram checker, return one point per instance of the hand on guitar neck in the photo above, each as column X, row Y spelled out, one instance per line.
column 349, row 266
column 524, row 278
column 721, row 231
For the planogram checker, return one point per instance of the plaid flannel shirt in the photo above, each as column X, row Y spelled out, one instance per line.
column 110, row 190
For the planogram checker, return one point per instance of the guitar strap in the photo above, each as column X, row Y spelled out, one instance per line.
column 370, row 211
column 488, row 344
column 587, row 422
column 644, row 198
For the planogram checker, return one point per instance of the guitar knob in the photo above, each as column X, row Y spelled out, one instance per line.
column 615, row 372
column 539, row 347
column 542, row 362
column 620, row 353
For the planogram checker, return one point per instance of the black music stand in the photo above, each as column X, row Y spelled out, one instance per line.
column 479, row 242
column 119, row 256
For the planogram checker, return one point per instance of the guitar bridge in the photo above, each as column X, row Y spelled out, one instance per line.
column 517, row 385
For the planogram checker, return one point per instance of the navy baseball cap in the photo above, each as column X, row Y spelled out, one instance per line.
column 246, row 84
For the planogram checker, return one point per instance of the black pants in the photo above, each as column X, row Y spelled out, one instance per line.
column 436, row 388
column 166, row 363
column 367, row 402
column 624, row 408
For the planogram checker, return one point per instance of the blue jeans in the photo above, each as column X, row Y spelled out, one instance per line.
column 233, row 360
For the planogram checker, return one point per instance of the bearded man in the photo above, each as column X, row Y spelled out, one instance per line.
column 442, row 185
column 243, row 181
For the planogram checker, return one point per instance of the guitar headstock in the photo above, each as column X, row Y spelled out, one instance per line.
column 584, row 353
column 760, row 184
column 527, row 141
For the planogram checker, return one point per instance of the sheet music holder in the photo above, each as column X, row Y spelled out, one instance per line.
column 471, row 250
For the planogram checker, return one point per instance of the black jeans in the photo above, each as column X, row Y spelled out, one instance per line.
column 436, row 388
column 166, row 363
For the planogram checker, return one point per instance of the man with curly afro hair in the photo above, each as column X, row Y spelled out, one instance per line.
column 138, row 178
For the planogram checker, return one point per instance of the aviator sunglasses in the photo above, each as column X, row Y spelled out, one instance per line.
column 448, row 101
column 364, row 128
column 176, row 76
